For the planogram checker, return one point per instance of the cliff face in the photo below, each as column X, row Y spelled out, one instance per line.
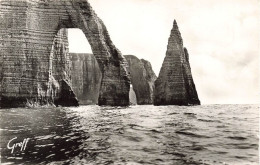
column 175, row 85
column 142, row 78
column 31, row 72
column 86, row 78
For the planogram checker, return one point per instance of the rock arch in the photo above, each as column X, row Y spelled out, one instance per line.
column 27, row 32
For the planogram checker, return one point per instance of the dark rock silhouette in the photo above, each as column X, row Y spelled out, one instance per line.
column 86, row 78
column 30, row 70
column 142, row 78
column 67, row 96
column 175, row 85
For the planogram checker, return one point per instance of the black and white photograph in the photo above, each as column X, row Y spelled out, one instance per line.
column 129, row 82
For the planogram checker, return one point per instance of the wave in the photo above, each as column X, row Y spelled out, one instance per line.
column 184, row 132
column 237, row 137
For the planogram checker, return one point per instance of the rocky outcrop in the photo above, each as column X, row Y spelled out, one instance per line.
column 142, row 78
column 86, row 78
column 175, row 85
column 29, row 70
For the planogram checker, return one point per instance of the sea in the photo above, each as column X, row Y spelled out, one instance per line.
column 174, row 135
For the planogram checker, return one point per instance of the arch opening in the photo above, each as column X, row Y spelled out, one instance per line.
column 85, row 72
column 84, row 69
column 72, row 61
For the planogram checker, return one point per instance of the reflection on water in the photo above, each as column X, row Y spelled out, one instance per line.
column 208, row 134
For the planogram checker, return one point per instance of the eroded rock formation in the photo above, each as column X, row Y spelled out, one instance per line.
column 27, row 63
column 142, row 78
column 86, row 78
column 175, row 85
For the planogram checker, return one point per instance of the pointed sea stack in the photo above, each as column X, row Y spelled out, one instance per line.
column 175, row 85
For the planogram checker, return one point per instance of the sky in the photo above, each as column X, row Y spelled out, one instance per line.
column 222, row 37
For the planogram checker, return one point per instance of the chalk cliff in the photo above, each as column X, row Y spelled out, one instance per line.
column 86, row 78
column 142, row 78
column 175, row 85
column 31, row 73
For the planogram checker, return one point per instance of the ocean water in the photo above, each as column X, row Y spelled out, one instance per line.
column 207, row 134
